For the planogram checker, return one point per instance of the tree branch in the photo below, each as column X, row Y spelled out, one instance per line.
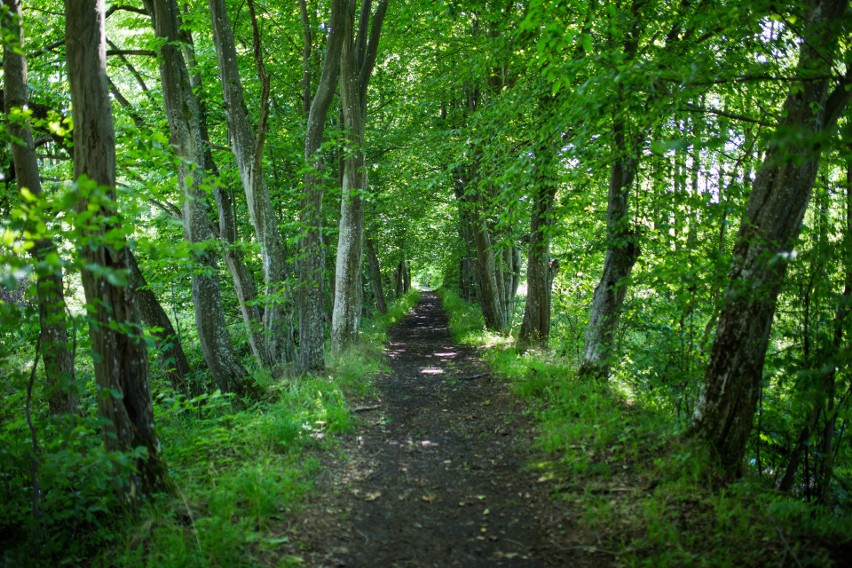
column 363, row 33
column 372, row 48
column 716, row 112
column 123, row 52
column 263, row 122
column 166, row 208
column 113, row 9
column 838, row 99
column 133, row 71
column 307, row 47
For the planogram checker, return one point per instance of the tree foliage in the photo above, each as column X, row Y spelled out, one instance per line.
column 597, row 177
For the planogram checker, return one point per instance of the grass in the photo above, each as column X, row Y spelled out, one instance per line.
column 643, row 493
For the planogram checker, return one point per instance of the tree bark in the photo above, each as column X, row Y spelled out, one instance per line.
column 535, row 328
column 119, row 354
column 184, row 116
column 376, row 277
column 248, row 152
column 50, row 294
column 312, row 254
column 844, row 307
column 468, row 286
column 243, row 281
column 490, row 297
column 358, row 56
column 773, row 218
column 175, row 365
column 621, row 254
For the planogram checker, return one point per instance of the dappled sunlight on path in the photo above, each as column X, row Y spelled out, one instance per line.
column 439, row 476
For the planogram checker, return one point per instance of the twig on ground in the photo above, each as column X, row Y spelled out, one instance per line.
column 472, row 377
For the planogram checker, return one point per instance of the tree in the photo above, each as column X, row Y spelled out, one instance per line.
column 184, row 118
column 50, row 293
column 358, row 57
column 312, row 259
column 248, row 151
column 541, row 268
column 767, row 234
column 120, row 356
column 243, row 280
column 166, row 339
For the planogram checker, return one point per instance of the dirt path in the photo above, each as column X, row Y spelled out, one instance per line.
column 438, row 475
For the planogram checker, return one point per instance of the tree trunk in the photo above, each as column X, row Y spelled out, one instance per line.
column 468, row 286
column 510, row 272
column 248, row 151
column 490, row 296
column 50, row 294
column 120, row 357
column 535, row 328
column 376, row 277
column 621, row 254
column 242, row 278
column 244, row 285
column 347, row 291
column 358, row 55
column 399, row 279
column 829, row 384
column 312, row 253
column 168, row 344
column 773, row 218
column 184, row 117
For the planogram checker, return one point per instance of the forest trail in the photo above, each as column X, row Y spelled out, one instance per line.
column 438, row 474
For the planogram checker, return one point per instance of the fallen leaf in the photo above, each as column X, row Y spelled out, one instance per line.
column 372, row 496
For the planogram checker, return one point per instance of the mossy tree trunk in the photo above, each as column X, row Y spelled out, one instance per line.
column 184, row 116
column 311, row 264
column 358, row 57
column 248, row 151
column 119, row 354
column 50, row 294
column 773, row 218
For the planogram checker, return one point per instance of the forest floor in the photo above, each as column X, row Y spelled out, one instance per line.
column 440, row 471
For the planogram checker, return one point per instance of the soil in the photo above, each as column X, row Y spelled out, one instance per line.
column 441, row 471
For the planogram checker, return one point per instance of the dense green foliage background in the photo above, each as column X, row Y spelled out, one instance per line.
column 505, row 90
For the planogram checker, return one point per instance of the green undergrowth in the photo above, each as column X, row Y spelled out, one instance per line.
column 242, row 473
column 645, row 495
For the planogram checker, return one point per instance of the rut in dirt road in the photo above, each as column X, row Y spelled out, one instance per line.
column 446, row 480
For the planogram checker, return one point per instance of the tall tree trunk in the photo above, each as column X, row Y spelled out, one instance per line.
column 358, row 56
column 248, row 151
column 50, row 294
column 120, row 357
column 243, row 281
column 535, row 328
column 376, row 277
column 773, row 218
column 184, row 117
column 242, row 278
column 468, row 285
column 508, row 276
column 168, row 344
column 829, row 383
column 490, row 296
column 621, row 254
column 406, row 276
column 312, row 260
